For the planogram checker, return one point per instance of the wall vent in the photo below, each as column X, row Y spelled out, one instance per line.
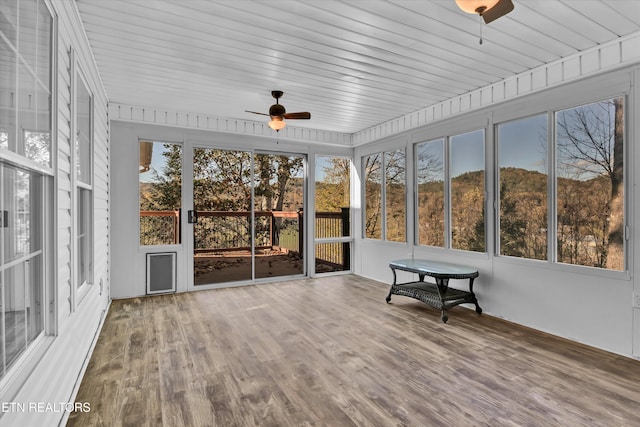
column 161, row 272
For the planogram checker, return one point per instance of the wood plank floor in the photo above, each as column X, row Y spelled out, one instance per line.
column 331, row 352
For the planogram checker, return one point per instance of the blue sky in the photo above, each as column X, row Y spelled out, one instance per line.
column 157, row 163
column 520, row 144
column 518, row 141
column 467, row 153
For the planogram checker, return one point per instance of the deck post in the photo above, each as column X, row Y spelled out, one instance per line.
column 346, row 250
column 300, row 232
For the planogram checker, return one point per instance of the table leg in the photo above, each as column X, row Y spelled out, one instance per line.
column 475, row 300
column 388, row 299
column 443, row 285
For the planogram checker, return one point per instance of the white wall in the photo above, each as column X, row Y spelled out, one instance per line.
column 56, row 374
column 128, row 258
column 587, row 305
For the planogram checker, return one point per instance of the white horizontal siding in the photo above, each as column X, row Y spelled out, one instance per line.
column 56, row 376
column 101, row 192
column 63, row 254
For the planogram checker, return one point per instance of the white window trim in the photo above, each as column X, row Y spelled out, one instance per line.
column 79, row 291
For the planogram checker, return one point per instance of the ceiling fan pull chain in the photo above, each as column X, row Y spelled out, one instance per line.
column 480, row 28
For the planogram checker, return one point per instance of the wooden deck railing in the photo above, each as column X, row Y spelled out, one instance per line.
column 220, row 231
column 160, row 227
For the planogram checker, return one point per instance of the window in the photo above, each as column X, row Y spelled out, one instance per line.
column 467, row 191
column 385, row 210
column 590, row 184
column 84, row 266
column 25, row 114
column 395, row 195
column 160, row 193
column 84, row 137
column 587, row 202
column 430, row 192
column 22, row 264
column 25, row 135
column 522, row 159
column 450, row 192
column 373, row 196
column 38, row 147
column 332, row 219
column 83, row 182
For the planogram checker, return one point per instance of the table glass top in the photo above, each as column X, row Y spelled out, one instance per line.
column 435, row 267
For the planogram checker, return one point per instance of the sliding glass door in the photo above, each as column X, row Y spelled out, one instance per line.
column 247, row 215
column 221, row 216
column 279, row 207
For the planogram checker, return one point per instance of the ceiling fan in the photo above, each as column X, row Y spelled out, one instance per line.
column 490, row 10
column 278, row 113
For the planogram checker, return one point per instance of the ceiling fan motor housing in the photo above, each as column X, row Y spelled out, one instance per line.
column 277, row 110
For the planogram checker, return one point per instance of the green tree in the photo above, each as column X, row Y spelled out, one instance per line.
column 333, row 193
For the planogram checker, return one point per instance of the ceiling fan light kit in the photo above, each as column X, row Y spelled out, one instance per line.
column 277, row 123
column 490, row 10
column 476, row 6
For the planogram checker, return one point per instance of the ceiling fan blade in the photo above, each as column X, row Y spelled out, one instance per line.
column 297, row 116
column 500, row 9
column 255, row 112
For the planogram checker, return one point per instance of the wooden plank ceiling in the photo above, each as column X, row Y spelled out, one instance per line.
column 351, row 63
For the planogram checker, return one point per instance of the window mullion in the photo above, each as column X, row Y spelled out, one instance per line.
column 552, row 191
column 447, row 192
column 383, row 197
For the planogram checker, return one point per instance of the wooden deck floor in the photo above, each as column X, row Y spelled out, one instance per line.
column 331, row 352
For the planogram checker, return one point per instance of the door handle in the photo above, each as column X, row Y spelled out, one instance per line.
column 192, row 217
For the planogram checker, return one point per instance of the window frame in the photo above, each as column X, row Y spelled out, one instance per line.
column 553, row 165
column 383, row 195
column 44, row 177
column 382, row 202
column 80, row 288
column 346, row 240
column 496, row 170
column 179, row 231
column 449, row 217
column 561, row 101
column 416, row 185
column 446, row 140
